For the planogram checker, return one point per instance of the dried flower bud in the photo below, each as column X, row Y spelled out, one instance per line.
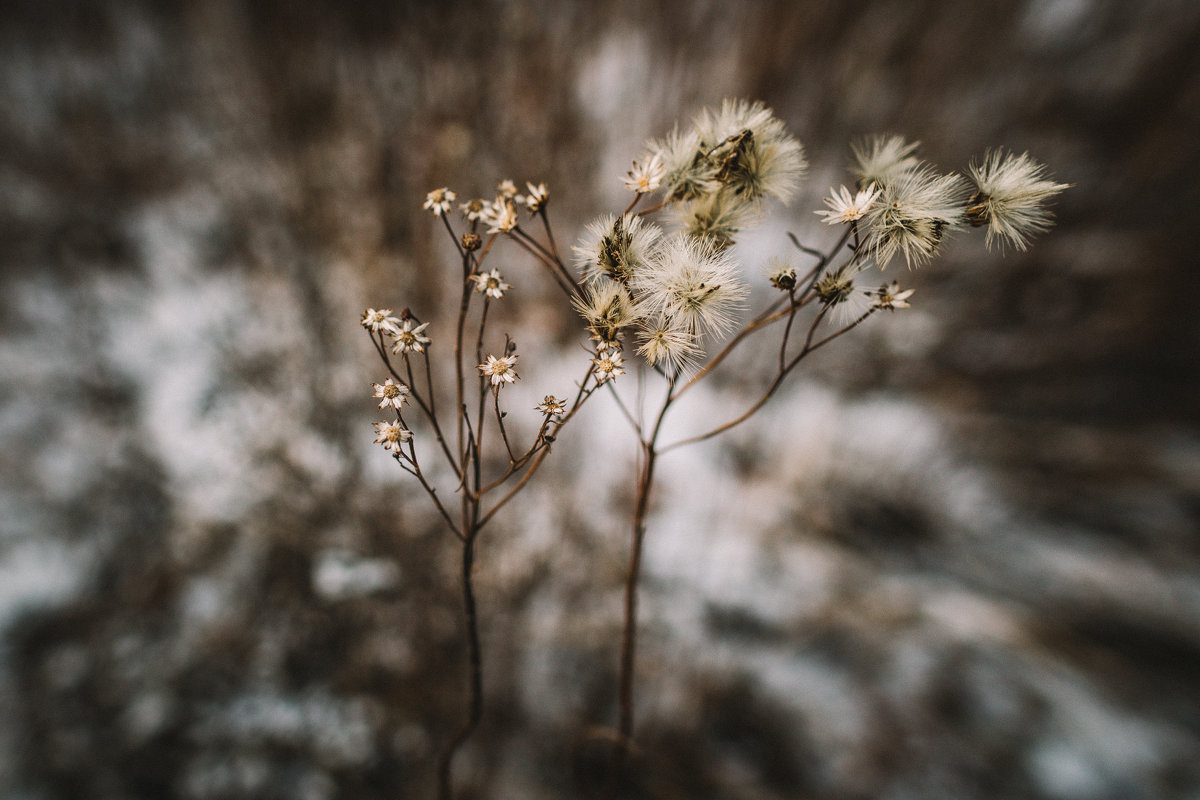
column 783, row 279
column 471, row 241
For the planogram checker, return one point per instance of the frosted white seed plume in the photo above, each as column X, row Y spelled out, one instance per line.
column 608, row 308
column 1010, row 197
column 881, row 158
column 616, row 247
column 754, row 154
column 672, row 349
column 914, row 211
column 687, row 173
column 692, row 284
column 719, row 217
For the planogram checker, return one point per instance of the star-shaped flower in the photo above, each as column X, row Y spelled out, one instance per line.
column 391, row 394
column 392, row 435
column 551, row 406
column 376, row 320
column 439, row 201
column 846, row 208
column 500, row 370
column 890, row 297
column 537, row 197
column 409, row 339
column 500, row 216
column 490, row 283
column 646, row 176
column 608, row 365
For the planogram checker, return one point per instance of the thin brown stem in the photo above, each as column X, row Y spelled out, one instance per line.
column 627, row 663
column 475, row 679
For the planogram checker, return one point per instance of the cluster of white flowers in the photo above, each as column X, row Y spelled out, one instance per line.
column 499, row 214
column 671, row 291
column 407, row 337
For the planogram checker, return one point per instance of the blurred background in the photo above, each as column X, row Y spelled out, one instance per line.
column 959, row 557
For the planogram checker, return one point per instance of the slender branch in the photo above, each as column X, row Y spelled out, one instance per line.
column 627, row 663
column 475, row 703
column 500, row 423
column 625, row 411
column 453, row 236
column 548, row 263
column 545, row 213
column 809, row 347
column 430, row 490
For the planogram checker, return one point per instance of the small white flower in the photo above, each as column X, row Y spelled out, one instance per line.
column 490, row 283
column 506, row 189
column 551, row 406
column 607, row 365
column 501, row 370
column 473, row 209
column 391, row 394
column 392, row 435
column 407, row 338
column 500, row 216
column 537, row 198
column 890, row 297
column 646, row 176
column 439, row 201
column 376, row 320
column 844, row 208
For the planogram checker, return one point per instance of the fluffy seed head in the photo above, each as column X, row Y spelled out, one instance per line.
column 718, row 217
column 692, row 284
column 608, row 308
column 672, row 349
column 1011, row 192
column 616, row 247
column 754, row 154
column 881, row 158
column 914, row 211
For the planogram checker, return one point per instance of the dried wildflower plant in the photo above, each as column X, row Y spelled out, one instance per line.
column 660, row 291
